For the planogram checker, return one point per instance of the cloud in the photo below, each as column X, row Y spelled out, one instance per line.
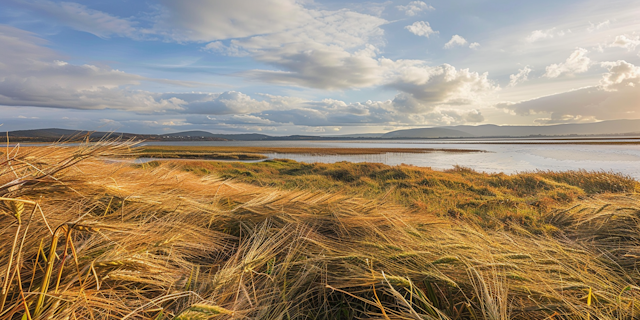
column 425, row 88
column 324, row 67
column 456, row 40
column 31, row 75
column 629, row 43
column 230, row 102
column 202, row 20
column 414, row 8
column 421, row 28
column 621, row 76
column 520, row 77
column 539, row 35
column 599, row 26
column 617, row 97
column 586, row 103
column 474, row 45
column 327, row 50
column 81, row 18
column 577, row 62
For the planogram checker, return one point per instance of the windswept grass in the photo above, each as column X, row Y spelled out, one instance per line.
column 490, row 200
column 84, row 239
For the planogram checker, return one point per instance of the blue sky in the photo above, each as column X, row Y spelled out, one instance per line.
column 325, row 67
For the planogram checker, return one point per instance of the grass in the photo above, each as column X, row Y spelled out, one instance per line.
column 85, row 239
column 491, row 200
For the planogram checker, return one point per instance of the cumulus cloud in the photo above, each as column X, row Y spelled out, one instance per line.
column 456, row 40
column 520, row 77
column 425, row 88
column 629, row 43
column 617, row 97
column 325, row 114
column 621, row 76
column 414, row 8
column 474, row 45
column 577, row 62
column 539, row 35
column 421, row 28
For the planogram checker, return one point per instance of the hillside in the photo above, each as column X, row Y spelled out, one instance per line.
column 53, row 134
column 489, row 130
column 428, row 133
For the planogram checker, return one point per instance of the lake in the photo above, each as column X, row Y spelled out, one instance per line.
column 519, row 156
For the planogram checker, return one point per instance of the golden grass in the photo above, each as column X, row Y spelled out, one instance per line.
column 112, row 241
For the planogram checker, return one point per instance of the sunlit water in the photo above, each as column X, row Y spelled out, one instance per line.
column 507, row 158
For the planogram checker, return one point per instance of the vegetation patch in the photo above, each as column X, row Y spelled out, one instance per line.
column 85, row 239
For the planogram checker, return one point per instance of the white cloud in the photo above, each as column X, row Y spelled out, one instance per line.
column 456, row 40
column 414, row 8
column 421, row 28
column 577, row 62
column 588, row 104
column 320, row 66
column 629, row 43
column 425, row 88
column 202, row 20
column 520, row 77
column 80, row 17
column 622, row 75
column 474, row 45
column 539, row 35
column 327, row 50
column 230, row 102
column 599, row 26
column 617, row 97
column 31, row 75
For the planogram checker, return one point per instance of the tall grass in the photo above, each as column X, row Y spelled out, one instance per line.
column 82, row 238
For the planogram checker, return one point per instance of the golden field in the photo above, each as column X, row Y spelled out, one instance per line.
column 81, row 238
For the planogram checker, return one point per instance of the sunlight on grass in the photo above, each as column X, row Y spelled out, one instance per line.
column 86, row 239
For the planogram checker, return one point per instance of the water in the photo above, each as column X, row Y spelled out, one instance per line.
column 507, row 158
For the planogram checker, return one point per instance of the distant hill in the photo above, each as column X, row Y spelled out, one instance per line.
column 427, row 133
column 238, row 137
column 612, row 127
column 54, row 134
column 490, row 130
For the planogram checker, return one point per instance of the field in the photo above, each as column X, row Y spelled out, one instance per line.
column 81, row 238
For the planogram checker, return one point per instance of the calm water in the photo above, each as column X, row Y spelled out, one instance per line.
column 508, row 158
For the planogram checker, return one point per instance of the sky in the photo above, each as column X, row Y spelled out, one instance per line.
column 285, row 67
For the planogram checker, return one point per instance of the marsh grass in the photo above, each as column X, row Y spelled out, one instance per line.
column 98, row 240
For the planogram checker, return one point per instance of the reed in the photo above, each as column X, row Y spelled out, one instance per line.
column 165, row 241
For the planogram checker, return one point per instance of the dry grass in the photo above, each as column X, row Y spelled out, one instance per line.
column 93, row 240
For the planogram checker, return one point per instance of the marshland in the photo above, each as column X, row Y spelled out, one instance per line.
column 85, row 238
